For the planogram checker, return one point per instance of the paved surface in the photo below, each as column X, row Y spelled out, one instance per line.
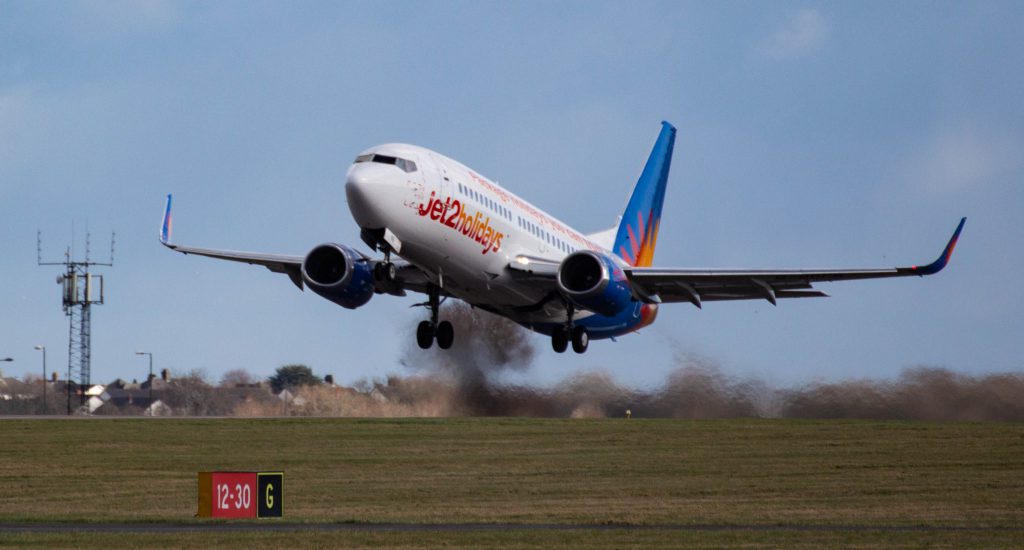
column 271, row 525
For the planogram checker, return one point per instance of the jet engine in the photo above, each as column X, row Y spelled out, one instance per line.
column 595, row 282
column 339, row 274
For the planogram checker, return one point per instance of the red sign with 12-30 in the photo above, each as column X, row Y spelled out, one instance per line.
column 234, row 494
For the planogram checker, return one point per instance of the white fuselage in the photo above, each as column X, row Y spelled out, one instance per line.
column 459, row 227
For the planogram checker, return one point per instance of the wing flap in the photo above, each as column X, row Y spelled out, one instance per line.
column 737, row 294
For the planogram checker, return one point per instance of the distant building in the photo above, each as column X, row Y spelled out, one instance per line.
column 14, row 389
column 120, row 398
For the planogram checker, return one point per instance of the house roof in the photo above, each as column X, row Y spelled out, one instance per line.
column 121, row 397
column 12, row 387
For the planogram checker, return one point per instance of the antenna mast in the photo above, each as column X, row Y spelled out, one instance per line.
column 81, row 289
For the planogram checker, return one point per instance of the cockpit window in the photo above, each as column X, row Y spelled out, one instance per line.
column 405, row 165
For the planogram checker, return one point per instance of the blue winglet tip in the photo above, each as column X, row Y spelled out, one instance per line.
column 947, row 253
column 165, row 226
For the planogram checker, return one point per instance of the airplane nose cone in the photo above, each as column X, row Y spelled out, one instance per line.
column 366, row 196
column 357, row 186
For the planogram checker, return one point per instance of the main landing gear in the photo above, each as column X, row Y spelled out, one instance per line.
column 427, row 331
column 578, row 335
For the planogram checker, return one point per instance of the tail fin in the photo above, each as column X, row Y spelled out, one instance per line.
column 638, row 231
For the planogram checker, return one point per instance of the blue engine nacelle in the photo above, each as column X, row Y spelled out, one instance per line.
column 339, row 274
column 594, row 282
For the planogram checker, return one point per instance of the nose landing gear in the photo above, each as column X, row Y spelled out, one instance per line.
column 385, row 271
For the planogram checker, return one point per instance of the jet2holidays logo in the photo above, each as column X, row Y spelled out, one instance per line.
column 453, row 214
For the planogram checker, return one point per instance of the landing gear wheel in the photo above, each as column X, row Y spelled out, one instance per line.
column 385, row 272
column 445, row 335
column 560, row 340
column 580, row 339
column 425, row 334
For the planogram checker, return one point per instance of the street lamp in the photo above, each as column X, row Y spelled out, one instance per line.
column 43, row 349
column 150, row 378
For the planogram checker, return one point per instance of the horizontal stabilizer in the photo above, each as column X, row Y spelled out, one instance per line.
column 605, row 239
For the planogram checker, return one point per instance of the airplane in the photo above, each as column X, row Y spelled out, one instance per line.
column 448, row 232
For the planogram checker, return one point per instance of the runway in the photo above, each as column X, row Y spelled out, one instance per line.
column 274, row 526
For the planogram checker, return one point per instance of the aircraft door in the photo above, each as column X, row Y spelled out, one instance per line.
column 444, row 178
column 416, row 182
column 443, row 185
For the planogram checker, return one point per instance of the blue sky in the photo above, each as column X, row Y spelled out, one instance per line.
column 810, row 135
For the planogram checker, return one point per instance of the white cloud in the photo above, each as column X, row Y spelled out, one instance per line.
column 803, row 34
column 962, row 159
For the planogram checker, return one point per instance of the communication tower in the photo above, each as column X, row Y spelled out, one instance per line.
column 81, row 289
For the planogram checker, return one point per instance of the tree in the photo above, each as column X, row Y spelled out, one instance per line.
column 192, row 395
column 235, row 378
column 293, row 376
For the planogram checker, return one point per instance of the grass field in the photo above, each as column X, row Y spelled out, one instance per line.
column 635, row 472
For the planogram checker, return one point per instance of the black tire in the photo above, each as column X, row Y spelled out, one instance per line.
column 580, row 339
column 378, row 272
column 445, row 335
column 425, row 334
column 390, row 272
column 560, row 340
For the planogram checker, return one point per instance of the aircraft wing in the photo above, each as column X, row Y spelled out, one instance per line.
column 408, row 276
column 699, row 285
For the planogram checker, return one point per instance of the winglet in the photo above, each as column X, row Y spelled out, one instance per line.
column 165, row 227
column 940, row 263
